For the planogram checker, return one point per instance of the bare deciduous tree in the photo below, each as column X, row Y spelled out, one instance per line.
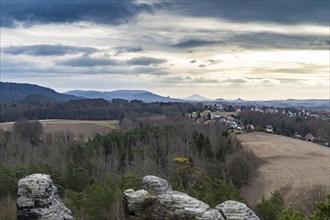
column 311, row 197
column 28, row 130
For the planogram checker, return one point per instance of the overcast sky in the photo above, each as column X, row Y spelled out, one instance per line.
column 219, row 49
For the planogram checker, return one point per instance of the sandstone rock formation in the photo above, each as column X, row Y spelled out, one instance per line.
column 38, row 199
column 236, row 211
column 157, row 201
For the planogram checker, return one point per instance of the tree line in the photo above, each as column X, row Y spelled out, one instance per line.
column 90, row 109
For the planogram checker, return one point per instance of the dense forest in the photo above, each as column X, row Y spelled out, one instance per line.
column 203, row 160
column 90, row 109
column 97, row 171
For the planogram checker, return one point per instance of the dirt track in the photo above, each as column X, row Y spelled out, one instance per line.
column 289, row 165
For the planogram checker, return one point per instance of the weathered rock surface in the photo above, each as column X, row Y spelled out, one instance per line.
column 236, row 211
column 38, row 199
column 157, row 201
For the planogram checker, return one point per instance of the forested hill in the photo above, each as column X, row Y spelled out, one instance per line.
column 18, row 91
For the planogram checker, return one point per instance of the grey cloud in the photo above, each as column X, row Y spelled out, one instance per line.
column 145, row 61
column 87, row 62
column 268, row 11
column 239, row 81
column 187, row 79
column 13, row 66
column 48, row 50
column 236, row 80
column 22, row 69
column 209, row 63
column 280, row 41
column 150, row 71
column 204, row 80
column 303, row 69
column 31, row 12
column 172, row 80
column 196, row 43
column 121, row 50
column 213, row 62
column 192, row 61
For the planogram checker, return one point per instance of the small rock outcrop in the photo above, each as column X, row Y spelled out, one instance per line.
column 157, row 201
column 37, row 198
column 234, row 210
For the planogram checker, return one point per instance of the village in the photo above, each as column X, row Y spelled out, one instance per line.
column 229, row 115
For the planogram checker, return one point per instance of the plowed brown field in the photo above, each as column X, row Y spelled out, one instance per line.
column 289, row 165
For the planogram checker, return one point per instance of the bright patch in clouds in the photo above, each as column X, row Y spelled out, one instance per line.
column 172, row 49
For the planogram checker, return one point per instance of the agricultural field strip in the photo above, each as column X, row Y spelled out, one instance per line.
column 287, row 163
column 104, row 123
column 78, row 128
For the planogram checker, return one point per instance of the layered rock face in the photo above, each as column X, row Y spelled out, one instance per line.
column 236, row 211
column 38, row 199
column 157, row 201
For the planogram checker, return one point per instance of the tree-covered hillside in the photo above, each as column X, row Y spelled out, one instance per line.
column 18, row 91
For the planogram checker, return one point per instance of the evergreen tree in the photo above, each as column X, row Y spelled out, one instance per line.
column 270, row 209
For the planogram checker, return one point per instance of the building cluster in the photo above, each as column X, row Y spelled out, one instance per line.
column 265, row 109
column 226, row 114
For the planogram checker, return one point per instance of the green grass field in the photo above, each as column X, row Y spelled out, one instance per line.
column 114, row 124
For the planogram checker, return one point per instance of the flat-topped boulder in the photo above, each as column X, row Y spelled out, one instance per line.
column 37, row 198
column 157, row 201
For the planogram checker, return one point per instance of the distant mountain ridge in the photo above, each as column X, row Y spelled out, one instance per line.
column 30, row 93
column 19, row 91
column 196, row 97
column 129, row 95
column 312, row 104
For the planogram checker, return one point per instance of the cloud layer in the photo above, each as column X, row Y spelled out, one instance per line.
column 48, row 50
column 87, row 62
column 145, row 61
column 224, row 49
column 283, row 12
column 191, row 43
column 32, row 12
